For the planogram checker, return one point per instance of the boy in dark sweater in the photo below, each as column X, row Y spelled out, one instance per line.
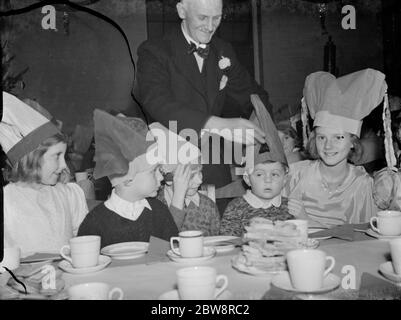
column 131, row 213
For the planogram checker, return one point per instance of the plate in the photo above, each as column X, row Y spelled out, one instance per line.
column 311, row 231
column 379, row 236
column 41, row 256
column 222, row 243
column 174, row 295
column 104, row 261
column 208, row 253
column 388, row 272
column 238, row 264
column 126, row 250
column 283, row 281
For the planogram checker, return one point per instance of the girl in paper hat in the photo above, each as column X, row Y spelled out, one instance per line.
column 333, row 190
column 42, row 211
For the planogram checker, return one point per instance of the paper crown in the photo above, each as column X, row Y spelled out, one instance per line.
column 124, row 144
column 22, row 128
column 342, row 103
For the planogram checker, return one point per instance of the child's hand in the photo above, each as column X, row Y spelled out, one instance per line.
column 182, row 176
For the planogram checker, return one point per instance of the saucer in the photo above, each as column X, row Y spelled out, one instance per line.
column 379, row 236
column 104, row 261
column 239, row 263
column 283, row 281
column 208, row 253
column 126, row 250
column 174, row 295
column 222, row 243
column 388, row 272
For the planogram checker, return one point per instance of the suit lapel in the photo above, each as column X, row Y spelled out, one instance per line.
column 213, row 74
column 187, row 65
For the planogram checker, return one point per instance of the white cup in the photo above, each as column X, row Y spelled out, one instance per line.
column 94, row 291
column 307, row 268
column 200, row 283
column 395, row 248
column 302, row 227
column 84, row 251
column 190, row 244
column 11, row 259
column 388, row 223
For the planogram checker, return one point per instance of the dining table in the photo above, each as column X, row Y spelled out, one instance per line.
column 140, row 279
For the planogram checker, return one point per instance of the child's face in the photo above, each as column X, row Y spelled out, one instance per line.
column 287, row 142
column 53, row 163
column 333, row 145
column 194, row 182
column 267, row 180
column 147, row 183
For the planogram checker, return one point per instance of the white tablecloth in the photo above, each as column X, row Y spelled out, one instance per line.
column 141, row 281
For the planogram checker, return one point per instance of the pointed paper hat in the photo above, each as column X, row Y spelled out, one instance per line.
column 22, row 128
column 272, row 150
column 342, row 103
column 125, row 145
column 118, row 142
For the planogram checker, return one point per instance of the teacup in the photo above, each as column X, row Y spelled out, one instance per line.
column 395, row 248
column 388, row 223
column 11, row 259
column 190, row 244
column 307, row 268
column 200, row 283
column 94, row 291
column 84, row 251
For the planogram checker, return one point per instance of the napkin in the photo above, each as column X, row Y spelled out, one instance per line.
column 157, row 251
column 374, row 288
column 345, row 232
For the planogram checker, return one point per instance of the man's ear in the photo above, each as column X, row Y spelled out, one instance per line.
column 181, row 9
column 246, row 179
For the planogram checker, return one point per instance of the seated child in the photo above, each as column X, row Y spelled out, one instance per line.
column 201, row 212
column 263, row 199
column 131, row 213
column 42, row 211
column 265, row 173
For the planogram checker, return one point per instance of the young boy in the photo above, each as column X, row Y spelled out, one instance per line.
column 131, row 213
column 266, row 175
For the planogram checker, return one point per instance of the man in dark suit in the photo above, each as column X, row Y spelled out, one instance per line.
column 186, row 77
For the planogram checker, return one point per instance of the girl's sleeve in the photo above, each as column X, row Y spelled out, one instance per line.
column 294, row 177
column 386, row 189
column 79, row 207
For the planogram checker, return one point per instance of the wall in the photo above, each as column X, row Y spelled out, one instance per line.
column 89, row 68
column 293, row 48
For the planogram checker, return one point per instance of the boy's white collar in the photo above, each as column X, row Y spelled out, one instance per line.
column 126, row 209
column 257, row 203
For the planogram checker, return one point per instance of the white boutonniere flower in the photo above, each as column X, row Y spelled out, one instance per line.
column 224, row 63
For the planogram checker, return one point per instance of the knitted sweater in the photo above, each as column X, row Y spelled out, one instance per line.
column 113, row 228
column 239, row 213
column 206, row 217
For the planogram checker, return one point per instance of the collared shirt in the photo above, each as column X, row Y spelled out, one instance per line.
column 126, row 209
column 198, row 58
column 168, row 195
column 257, row 203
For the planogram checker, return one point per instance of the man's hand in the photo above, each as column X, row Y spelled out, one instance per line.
column 235, row 129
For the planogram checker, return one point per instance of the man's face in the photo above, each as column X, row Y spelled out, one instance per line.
column 201, row 18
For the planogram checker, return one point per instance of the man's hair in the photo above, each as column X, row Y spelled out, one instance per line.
column 28, row 168
column 353, row 156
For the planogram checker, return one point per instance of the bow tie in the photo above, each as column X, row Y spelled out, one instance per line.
column 202, row 52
